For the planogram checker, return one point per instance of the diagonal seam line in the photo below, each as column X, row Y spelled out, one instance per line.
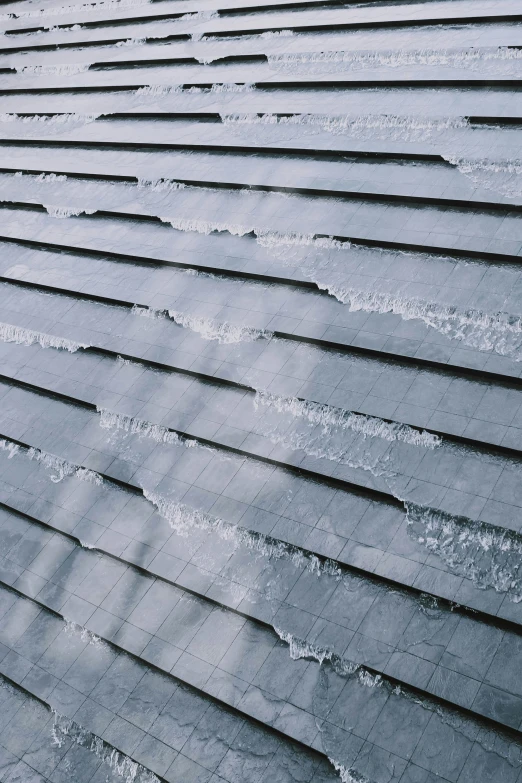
column 222, row 149
column 24, row 689
column 462, row 609
column 419, row 363
column 350, row 487
column 137, row 217
column 339, row 85
column 296, row 470
column 377, row 24
column 324, row 193
column 458, row 440
column 484, row 720
column 189, row 686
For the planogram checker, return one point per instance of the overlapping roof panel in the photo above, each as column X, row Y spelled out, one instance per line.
column 261, row 333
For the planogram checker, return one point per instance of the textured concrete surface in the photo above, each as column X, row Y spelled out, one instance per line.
column 260, row 392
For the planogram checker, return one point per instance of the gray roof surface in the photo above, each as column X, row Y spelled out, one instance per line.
column 261, row 392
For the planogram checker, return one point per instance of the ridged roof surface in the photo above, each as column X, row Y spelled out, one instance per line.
column 261, row 391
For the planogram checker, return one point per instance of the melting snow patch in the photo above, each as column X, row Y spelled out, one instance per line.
column 490, row 556
column 53, row 119
column 61, row 69
column 160, row 185
column 118, row 421
column 132, row 42
column 65, row 729
column 103, row 5
column 277, row 34
column 62, row 467
column 66, row 212
column 51, row 178
column 88, row 637
column 338, row 61
column 223, row 332
column 328, row 417
column 17, row 334
column 380, row 126
column 184, row 519
column 11, row 448
column 205, row 226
